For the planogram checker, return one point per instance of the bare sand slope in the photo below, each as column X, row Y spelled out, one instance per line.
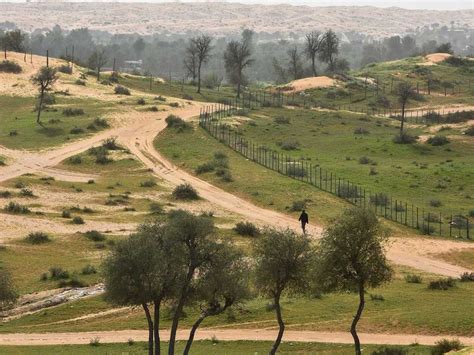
column 310, row 83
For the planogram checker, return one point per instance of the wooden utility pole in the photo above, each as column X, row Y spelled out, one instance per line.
column 47, row 58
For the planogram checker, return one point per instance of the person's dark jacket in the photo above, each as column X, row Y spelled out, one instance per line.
column 304, row 218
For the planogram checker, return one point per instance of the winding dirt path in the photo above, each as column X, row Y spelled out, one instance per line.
column 137, row 130
column 123, row 336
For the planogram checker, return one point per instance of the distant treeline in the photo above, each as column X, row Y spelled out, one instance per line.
column 274, row 60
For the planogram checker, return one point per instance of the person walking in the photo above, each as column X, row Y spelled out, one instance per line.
column 304, row 219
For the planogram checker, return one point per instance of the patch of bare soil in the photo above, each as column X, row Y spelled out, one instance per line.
column 310, row 83
column 435, row 58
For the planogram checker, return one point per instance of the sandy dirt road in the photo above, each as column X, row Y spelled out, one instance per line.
column 224, row 335
column 137, row 133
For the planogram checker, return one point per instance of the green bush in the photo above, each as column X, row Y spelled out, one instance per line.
column 390, row 350
column 78, row 220
column 37, row 238
column 95, row 236
column 204, row 168
column 156, row 208
column 281, row 120
column 8, row 194
column 289, row 145
column 445, row 346
column 16, row 208
column 75, row 160
column 148, row 183
column 404, row 138
column 122, row 90
column 413, row 279
column 224, row 174
column 7, row 66
column 88, row 270
column 467, row 277
column 185, row 192
column 66, row 214
column 100, row 122
column 76, row 130
column 442, row 284
column 66, row 69
column 438, row 140
column 141, row 101
column 73, row 112
column 173, row 121
column 58, row 273
column 26, row 192
column 247, row 229
column 297, row 206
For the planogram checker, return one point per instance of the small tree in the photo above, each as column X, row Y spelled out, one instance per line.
column 405, row 93
column 221, row 285
column 329, row 48
column 97, row 60
column 295, row 67
column 447, row 85
column 445, row 48
column 237, row 57
column 203, row 48
column 190, row 61
column 351, row 258
column 282, row 261
column 312, row 46
column 8, row 294
column 44, row 80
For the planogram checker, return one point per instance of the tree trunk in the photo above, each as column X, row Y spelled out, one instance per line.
column 280, row 324
column 402, row 123
column 356, row 320
column 98, row 74
column 313, row 65
column 199, row 78
column 150, row 328
column 156, row 328
column 40, row 107
column 192, row 333
column 178, row 311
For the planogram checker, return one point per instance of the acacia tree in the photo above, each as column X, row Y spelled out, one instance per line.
column 140, row 271
column 329, row 49
column 237, row 57
column 311, row 48
column 282, row 261
column 8, row 294
column 202, row 47
column 351, row 257
column 405, row 92
column 44, row 79
column 193, row 236
column 223, row 284
column 97, row 60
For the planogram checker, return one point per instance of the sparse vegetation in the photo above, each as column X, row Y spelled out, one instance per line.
column 37, row 238
column 185, row 192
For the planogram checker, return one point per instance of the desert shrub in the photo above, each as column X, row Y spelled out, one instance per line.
column 121, row 90
column 413, row 279
column 8, row 66
column 442, row 284
column 88, row 270
column 95, row 236
column 247, row 229
column 435, row 203
column 58, row 273
column 13, row 133
column 296, row 170
column 100, row 122
column 427, row 229
column 73, row 282
column 297, row 206
column 141, row 101
column 156, row 208
column 445, row 346
column 73, row 112
column 364, row 160
column 469, row 131
column 78, row 220
column 376, row 297
column 75, row 160
column 289, row 145
column 224, row 174
column 80, row 82
column 26, row 192
column 76, row 130
column 390, row 350
column 380, row 199
column 188, row 97
column 404, row 138
column 185, row 192
column 361, row 130
column 66, row 214
column 205, row 168
column 467, row 277
column 148, row 183
column 16, row 208
column 173, row 121
column 5, row 194
column 160, row 98
column 174, row 104
column 438, row 140
column 281, row 120
column 37, row 238
column 66, row 69
column 111, row 144
column 102, row 157
column 348, row 191
column 153, row 109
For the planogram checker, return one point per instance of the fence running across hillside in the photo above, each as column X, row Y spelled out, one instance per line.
column 403, row 212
